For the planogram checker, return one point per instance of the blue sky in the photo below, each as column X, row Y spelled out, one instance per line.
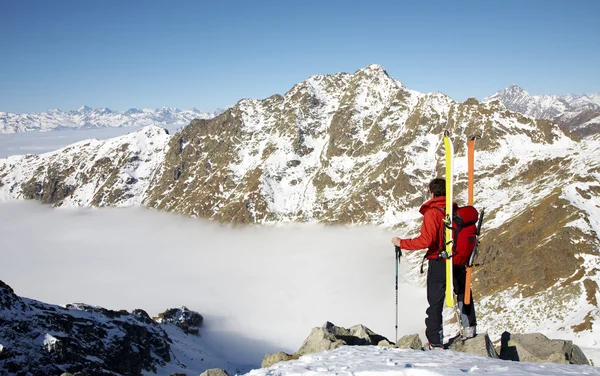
column 210, row 54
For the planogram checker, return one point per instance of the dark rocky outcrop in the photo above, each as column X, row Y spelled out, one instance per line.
column 43, row 339
column 189, row 321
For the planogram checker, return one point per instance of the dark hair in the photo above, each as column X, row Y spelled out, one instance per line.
column 438, row 187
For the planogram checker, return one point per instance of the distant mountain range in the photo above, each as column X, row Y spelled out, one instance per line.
column 577, row 113
column 87, row 117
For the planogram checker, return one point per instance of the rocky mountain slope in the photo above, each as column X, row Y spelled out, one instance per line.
column 360, row 149
column 577, row 113
column 86, row 117
column 42, row 339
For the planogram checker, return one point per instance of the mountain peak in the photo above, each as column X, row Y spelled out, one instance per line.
column 84, row 108
column 372, row 69
column 515, row 89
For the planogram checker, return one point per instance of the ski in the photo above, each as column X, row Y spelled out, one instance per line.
column 449, row 149
column 471, row 175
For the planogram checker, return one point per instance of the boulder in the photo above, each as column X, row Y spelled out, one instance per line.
column 362, row 333
column 411, row 341
column 271, row 359
column 329, row 337
column 385, row 343
column 536, row 347
column 214, row 372
column 481, row 344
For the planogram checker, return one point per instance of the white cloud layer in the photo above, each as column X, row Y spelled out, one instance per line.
column 261, row 289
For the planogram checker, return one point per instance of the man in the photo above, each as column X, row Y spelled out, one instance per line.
column 432, row 239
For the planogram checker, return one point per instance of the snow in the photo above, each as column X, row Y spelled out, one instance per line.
column 371, row 360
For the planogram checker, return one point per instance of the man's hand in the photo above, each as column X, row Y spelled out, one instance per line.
column 396, row 241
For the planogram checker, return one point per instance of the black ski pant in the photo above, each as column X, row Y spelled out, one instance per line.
column 436, row 294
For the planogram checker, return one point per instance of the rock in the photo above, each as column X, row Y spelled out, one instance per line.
column 271, row 359
column 67, row 374
column 214, row 372
column 412, row 341
column 366, row 334
column 324, row 338
column 481, row 344
column 329, row 337
column 536, row 347
column 385, row 343
column 471, row 102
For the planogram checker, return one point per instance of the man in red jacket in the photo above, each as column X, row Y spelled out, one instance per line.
column 432, row 239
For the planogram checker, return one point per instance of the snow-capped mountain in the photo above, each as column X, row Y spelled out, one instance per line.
column 360, row 149
column 87, row 117
column 579, row 113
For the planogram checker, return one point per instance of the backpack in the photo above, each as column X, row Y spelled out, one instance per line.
column 465, row 230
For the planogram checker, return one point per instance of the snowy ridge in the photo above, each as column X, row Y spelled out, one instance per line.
column 98, row 171
column 86, row 117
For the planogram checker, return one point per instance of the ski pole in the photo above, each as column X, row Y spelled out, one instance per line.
column 398, row 256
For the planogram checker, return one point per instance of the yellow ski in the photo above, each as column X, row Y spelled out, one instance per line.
column 449, row 148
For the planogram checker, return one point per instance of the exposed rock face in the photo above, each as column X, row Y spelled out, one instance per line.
column 481, row 344
column 42, row 339
column 536, row 347
column 189, row 321
column 412, row 341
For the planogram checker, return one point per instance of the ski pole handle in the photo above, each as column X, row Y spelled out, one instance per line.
column 398, row 252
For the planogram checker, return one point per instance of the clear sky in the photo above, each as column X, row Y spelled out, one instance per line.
column 210, row 54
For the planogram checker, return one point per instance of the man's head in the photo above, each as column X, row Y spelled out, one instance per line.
column 437, row 187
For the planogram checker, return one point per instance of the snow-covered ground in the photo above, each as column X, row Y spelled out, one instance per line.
column 366, row 361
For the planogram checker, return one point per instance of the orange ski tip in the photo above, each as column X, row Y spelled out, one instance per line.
column 474, row 137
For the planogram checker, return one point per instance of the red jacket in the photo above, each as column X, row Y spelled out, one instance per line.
column 432, row 236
